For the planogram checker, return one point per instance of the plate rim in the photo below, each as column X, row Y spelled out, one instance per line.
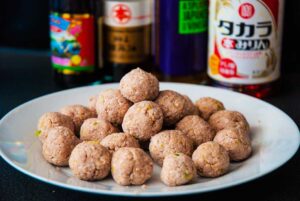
column 147, row 194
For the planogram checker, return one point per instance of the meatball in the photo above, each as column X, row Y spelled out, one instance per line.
column 115, row 141
column 51, row 120
column 211, row 159
column 90, row 161
column 208, row 106
column 237, row 143
column 138, row 85
column 229, row 119
column 169, row 142
column 96, row 129
column 131, row 166
column 92, row 104
column 112, row 106
column 190, row 108
column 143, row 120
column 177, row 169
column 58, row 145
column 78, row 113
column 196, row 129
column 172, row 105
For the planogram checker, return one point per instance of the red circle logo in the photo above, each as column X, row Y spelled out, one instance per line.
column 246, row 10
column 228, row 43
column 121, row 13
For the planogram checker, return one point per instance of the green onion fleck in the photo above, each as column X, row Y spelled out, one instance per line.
column 37, row 133
column 187, row 175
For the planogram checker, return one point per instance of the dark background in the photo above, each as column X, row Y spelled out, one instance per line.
column 24, row 24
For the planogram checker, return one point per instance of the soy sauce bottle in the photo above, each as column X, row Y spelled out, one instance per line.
column 126, row 36
column 73, row 42
column 181, row 40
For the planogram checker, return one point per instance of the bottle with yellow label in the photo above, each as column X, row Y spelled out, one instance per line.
column 73, row 45
column 126, row 36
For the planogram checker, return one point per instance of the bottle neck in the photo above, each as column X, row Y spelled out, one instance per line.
column 71, row 6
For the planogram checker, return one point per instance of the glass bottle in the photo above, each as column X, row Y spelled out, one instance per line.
column 181, row 39
column 73, row 45
column 245, row 45
column 126, row 36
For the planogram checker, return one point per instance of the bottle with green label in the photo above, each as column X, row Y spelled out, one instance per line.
column 181, row 39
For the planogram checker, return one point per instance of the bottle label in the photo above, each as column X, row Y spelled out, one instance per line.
column 127, row 30
column 72, row 42
column 193, row 16
column 245, row 41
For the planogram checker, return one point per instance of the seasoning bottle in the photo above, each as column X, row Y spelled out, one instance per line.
column 99, row 18
column 126, row 36
column 181, row 39
column 73, row 45
column 245, row 44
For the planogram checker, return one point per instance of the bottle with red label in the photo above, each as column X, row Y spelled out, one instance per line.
column 245, row 44
column 127, row 29
column 73, row 43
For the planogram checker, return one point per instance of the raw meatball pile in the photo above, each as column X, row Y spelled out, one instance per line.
column 123, row 132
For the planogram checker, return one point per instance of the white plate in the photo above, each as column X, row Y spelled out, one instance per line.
column 275, row 139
